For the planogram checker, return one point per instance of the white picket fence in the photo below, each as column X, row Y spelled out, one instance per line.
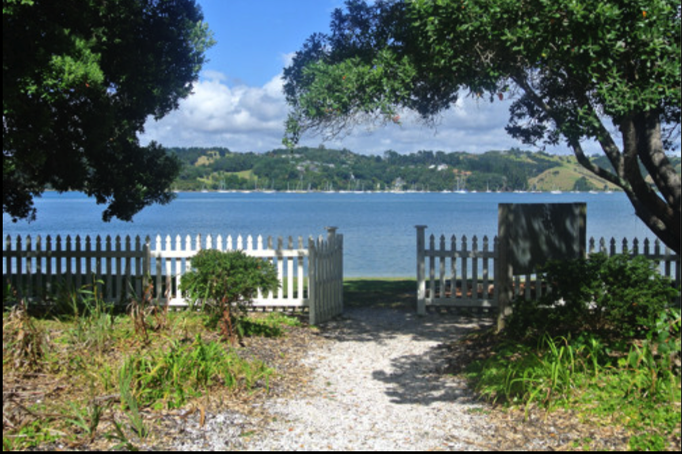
column 452, row 273
column 118, row 269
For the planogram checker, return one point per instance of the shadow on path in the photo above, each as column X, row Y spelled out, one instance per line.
column 383, row 313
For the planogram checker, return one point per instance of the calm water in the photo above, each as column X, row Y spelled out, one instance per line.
column 378, row 229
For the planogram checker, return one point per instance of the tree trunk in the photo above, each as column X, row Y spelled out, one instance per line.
column 657, row 206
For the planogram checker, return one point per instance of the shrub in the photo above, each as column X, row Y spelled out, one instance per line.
column 226, row 282
column 635, row 294
column 619, row 294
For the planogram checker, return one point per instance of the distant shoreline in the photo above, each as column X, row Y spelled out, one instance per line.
column 255, row 191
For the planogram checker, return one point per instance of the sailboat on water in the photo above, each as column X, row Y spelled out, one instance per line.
column 460, row 186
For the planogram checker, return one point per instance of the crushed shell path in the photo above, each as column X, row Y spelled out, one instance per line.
column 377, row 386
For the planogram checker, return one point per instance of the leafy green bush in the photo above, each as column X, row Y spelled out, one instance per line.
column 619, row 294
column 226, row 282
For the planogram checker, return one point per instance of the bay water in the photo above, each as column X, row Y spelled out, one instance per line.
column 378, row 228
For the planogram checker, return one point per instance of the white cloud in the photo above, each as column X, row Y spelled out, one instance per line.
column 288, row 59
column 238, row 117
column 244, row 118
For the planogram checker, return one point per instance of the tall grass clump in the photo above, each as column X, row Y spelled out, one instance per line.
column 145, row 308
column 605, row 339
column 168, row 379
column 225, row 283
column 24, row 342
column 93, row 319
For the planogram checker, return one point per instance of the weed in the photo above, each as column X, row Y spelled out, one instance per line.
column 282, row 319
column 24, row 343
column 93, row 319
column 119, row 435
column 31, row 435
column 140, row 309
column 9, row 295
column 87, row 419
column 647, row 442
column 137, row 311
column 270, row 326
column 130, row 402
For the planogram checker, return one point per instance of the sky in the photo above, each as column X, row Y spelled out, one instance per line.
column 238, row 103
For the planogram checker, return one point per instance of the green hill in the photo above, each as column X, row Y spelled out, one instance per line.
column 569, row 176
column 321, row 169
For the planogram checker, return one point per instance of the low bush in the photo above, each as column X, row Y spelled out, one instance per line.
column 226, row 283
column 618, row 294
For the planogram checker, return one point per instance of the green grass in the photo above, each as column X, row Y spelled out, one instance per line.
column 635, row 388
column 168, row 379
column 564, row 177
column 380, row 292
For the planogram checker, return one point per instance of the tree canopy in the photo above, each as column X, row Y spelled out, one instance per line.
column 576, row 70
column 80, row 78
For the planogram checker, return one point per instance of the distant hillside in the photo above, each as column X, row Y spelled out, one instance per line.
column 321, row 169
column 569, row 176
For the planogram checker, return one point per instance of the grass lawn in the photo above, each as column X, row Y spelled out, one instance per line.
column 380, row 292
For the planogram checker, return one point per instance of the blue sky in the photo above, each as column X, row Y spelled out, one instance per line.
column 255, row 36
column 238, row 102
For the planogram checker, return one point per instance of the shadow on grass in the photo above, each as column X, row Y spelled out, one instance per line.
column 396, row 293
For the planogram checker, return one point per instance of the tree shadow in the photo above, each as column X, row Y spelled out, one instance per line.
column 394, row 293
column 420, row 377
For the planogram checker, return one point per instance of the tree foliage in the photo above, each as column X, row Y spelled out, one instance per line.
column 80, row 78
column 571, row 67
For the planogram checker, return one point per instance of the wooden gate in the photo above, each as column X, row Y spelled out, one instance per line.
column 326, row 277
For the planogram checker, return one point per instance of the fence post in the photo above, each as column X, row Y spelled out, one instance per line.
column 331, row 233
column 504, row 273
column 312, row 282
column 339, row 270
column 421, row 270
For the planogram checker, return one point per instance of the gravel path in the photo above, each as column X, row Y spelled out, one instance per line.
column 375, row 386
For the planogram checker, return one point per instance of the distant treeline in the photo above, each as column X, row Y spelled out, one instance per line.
column 322, row 169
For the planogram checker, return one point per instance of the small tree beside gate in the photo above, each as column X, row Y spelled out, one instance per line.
column 227, row 282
